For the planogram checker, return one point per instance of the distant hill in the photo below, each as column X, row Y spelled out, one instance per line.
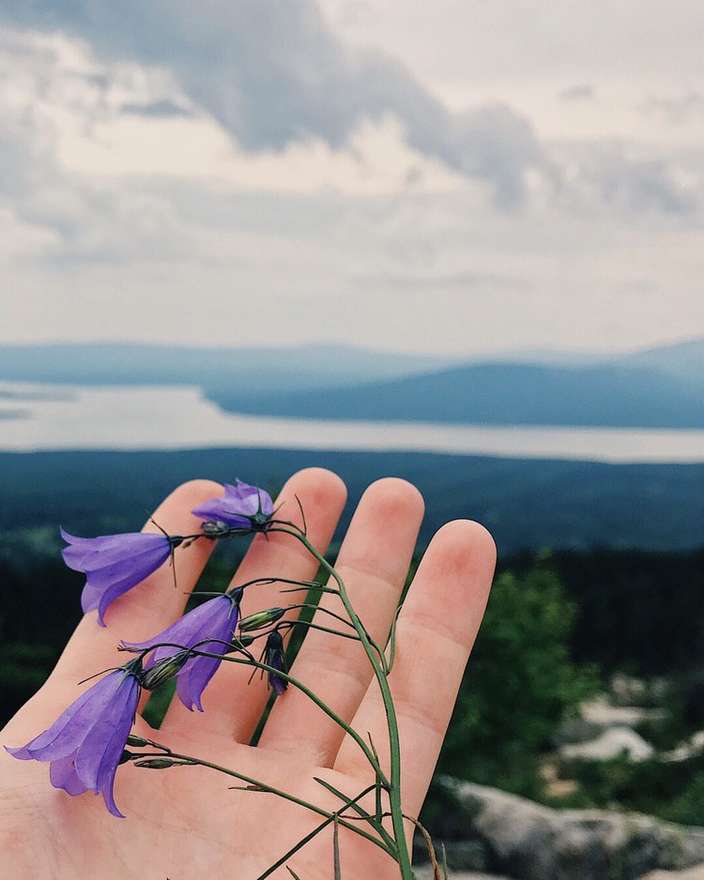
column 685, row 360
column 250, row 370
column 501, row 394
column 658, row 388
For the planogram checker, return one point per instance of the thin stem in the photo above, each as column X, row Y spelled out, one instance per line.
column 326, row 629
column 268, row 789
column 302, row 585
column 323, row 610
column 316, row 699
column 257, row 664
column 362, row 814
column 323, row 825
column 394, row 787
column 428, row 840
column 314, row 586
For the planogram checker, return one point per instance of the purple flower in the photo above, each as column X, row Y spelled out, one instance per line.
column 214, row 619
column 115, row 563
column 241, row 507
column 275, row 656
column 85, row 743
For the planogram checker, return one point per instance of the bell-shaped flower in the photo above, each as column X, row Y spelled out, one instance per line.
column 86, row 742
column 215, row 619
column 241, row 507
column 114, row 564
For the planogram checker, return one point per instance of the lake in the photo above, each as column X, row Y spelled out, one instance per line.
column 34, row 417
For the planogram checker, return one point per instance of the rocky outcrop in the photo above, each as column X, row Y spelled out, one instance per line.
column 691, row 874
column 612, row 743
column 524, row 840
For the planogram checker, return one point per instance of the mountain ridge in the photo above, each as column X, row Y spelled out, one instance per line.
column 659, row 387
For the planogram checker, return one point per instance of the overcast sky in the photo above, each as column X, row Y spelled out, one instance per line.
column 462, row 176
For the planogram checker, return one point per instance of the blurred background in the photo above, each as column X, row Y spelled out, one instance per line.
column 458, row 242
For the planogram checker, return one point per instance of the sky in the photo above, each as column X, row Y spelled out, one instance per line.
column 461, row 177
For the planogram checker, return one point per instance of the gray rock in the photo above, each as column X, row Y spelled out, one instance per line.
column 531, row 842
column 601, row 712
column 612, row 743
column 461, row 855
column 691, row 874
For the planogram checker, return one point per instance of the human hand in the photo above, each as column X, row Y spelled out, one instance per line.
column 183, row 823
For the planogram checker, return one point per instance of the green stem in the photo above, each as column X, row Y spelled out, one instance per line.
column 301, row 687
column 268, row 789
column 307, row 839
column 394, row 786
column 374, row 821
column 325, row 629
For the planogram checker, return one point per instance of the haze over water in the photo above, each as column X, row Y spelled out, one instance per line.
column 65, row 417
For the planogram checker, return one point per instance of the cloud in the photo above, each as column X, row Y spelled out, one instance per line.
column 676, row 109
column 163, row 109
column 635, row 184
column 579, row 92
column 273, row 73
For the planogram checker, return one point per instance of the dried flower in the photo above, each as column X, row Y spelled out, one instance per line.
column 241, row 507
column 214, row 619
column 274, row 655
column 115, row 563
column 86, row 742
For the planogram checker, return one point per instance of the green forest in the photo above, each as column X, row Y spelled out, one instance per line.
column 561, row 623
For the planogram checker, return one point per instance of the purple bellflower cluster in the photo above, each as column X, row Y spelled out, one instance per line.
column 85, row 744
column 93, row 737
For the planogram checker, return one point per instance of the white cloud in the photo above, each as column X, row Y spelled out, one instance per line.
column 127, row 210
column 274, row 73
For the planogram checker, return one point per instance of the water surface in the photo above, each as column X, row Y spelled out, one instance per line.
column 124, row 418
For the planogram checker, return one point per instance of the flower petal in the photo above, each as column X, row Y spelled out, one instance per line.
column 72, row 726
column 87, row 554
column 90, row 753
column 238, row 503
column 62, row 774
column 113, row 752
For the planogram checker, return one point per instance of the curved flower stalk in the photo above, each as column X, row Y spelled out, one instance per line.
column 215, row 619
column 115, row 563
column 86, row 742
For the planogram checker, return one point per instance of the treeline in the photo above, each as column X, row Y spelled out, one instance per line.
column 525, row 504
column 632, row 611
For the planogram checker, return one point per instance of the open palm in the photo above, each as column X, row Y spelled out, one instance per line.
column 184, row 822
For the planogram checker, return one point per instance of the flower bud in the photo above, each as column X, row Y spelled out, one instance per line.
column 163, row 670
column 260, row 619
column 215, row 528
column 137, row 741
column 156, row 763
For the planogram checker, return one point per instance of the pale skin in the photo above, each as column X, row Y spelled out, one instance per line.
column 185, row 822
